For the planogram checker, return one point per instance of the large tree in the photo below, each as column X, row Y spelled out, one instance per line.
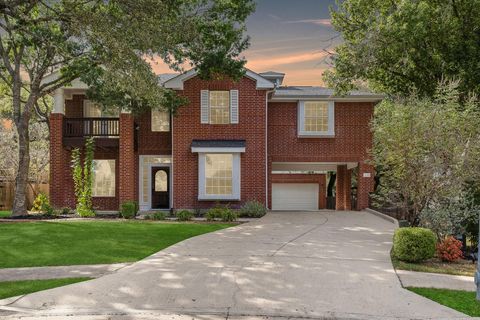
column 106, row 43
column 426, row 150
column 400, row 46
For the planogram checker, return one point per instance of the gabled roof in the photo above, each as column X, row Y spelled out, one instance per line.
column 177, row 81
column 310, row 92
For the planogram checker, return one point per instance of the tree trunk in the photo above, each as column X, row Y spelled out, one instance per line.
column 21, row 181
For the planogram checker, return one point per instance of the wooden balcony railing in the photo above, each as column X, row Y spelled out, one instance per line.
column 91, row 127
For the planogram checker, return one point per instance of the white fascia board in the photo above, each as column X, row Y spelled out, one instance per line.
column 217, row 150
column 176, row 83
column 327, row 98
column 262, row 83
column 75, row 84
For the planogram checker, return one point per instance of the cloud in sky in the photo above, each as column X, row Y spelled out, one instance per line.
column 270, row 61
column 287, row 36
column 318, row 22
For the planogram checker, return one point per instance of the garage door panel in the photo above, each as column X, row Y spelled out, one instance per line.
column 295, row 196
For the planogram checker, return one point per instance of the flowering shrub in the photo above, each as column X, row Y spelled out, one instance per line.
column 450, row 249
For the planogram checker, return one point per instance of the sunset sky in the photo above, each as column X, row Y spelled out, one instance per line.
column 289, row 36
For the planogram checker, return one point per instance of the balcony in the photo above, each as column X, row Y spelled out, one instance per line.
column 106, row 131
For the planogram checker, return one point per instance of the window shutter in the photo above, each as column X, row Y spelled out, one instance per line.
column 233, row 106
column 204, row 105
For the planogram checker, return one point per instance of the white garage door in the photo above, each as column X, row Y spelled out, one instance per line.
column 295, row 196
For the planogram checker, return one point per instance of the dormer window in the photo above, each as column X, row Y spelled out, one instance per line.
column 316, row 119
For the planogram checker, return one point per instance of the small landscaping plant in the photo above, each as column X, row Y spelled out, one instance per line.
column 212, row 213
column 184, row 215
column 253, row 209
column 156, row 216
column 414, row 244
column 220, row 212
column 129, row 209
column 228, row 215
column 66, row 210
column 41, row 203
column 449, row 249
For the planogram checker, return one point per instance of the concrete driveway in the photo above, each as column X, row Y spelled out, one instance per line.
column 290, row 264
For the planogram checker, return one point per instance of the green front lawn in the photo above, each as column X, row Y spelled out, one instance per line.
column 460, row 268
column 4, row 214
column 17, row 288
column 463, row 301
column 90, row 242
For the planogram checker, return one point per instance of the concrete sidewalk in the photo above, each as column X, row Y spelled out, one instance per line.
column 38, row 273
column 435, row 280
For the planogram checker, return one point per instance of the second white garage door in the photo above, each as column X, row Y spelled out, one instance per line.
column 295, row 196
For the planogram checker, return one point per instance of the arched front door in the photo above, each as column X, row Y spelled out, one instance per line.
column 160, row 188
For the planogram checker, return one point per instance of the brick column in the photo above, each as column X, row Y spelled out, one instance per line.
column 365, row 184
column 126, row 159
column 340, row 187
column 58, row 161
column 348, row 189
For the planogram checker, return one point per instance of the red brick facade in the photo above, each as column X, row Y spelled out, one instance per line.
column 350, row 144
column 251, row 128
column 352, row 141
column 126, row 150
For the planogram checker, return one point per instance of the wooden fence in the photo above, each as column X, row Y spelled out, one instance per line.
column 7, row 192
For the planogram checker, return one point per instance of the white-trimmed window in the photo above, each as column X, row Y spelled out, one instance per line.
column 316, row 118
column 219, row 107
column 219, row 176
column 103, row 178
column 160, row 121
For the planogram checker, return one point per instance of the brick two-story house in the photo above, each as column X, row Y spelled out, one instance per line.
column 253, row 139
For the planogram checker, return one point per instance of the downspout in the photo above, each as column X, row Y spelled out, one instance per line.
column 266, row 146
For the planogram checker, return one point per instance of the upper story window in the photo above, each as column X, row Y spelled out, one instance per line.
column 103, row 178
column 316, row 118
column 160, row 121
column 94, row 110
column 219, row 107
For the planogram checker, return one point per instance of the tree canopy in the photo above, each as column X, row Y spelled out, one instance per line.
column 400, row 46
column 426, row 150
column 106, row 44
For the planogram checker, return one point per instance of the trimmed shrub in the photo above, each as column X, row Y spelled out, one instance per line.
column 253, row 209
column 228, row 215
column 184, row 215
column 211, row 214
column 223, row 213
column 414, row 244
column 159, row 215
column 129, row 209
column 450, row 249
column 66, row 210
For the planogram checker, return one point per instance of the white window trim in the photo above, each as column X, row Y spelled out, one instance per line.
column 168, row 163
column 236, row 174
column 330, row 133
